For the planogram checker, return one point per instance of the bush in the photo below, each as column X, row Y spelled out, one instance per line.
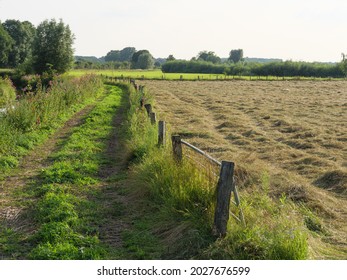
column 7, row 92
column 38, row 112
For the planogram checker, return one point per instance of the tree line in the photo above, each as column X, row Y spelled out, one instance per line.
column 30, row 49
column 47, row 48
column 235, row 65
column 127, row 58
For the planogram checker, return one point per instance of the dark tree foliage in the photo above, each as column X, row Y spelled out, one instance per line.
column 170, row 58
column 184, row 66
column 236, row 56
column 343, row 64
column 126, row 54
column 142, row 60
column 120, row 56
column 52, row 49
column 6, row 43
column 23, row 34
column 279, row 69
column 112, row 56
column 209, row 57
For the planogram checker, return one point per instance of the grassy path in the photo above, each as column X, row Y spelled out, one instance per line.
column 64, row 201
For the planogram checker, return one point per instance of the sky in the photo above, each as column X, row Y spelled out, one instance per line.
column 300, row 30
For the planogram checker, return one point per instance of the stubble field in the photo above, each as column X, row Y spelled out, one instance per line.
column 293, row 132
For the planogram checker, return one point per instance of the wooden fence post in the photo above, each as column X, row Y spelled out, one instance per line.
column 224, row 189
column 177, row 147
column 153, row 118
column 161, row 133
column 148, row 108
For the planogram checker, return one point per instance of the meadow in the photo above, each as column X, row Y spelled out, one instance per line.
column 290, row 134
column 157, row 74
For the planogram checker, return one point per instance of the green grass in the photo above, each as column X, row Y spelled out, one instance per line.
column 65, row 199
column 180, row 201
column 64, row 212
column 157, row 74
column 39, row 114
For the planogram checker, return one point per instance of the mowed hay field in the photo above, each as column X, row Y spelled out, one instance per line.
column 292, row 132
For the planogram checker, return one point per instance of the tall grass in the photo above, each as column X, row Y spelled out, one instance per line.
column 36, row 114
column 7, row 93
column 182, row 198
column 67, row 213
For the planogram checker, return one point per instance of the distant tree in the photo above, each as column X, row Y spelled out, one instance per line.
column 170, row 58
column 236, row 55
column 120, row 56
column 343, row 64
column 22, row 34
column 209, row 57
column 145, row 62
column 112, row 56
column 52, row 49
column 6, row 43
column 126, row 54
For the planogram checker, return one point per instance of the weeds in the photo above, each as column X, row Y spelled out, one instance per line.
column 31, row 119
column 182, row 199
column 65, row 215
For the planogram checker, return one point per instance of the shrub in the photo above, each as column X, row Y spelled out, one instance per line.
column 7, row 92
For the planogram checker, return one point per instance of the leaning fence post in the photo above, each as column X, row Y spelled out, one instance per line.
column 177, row 147
column 161, row 133
column 153, row 118
column 148, row 108
column 224, row 188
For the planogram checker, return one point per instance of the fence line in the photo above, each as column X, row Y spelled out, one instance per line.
column 226, row 184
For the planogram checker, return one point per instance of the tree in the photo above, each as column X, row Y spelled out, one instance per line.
column 170, row 58
column 22, row 34
column 209, row 57
column 145, row 61
column 52, row 49
column 343, row 63
column 112, row 56
column 121, row 56
column 236, row 55
column 142, row 60
column 126, row 54
column 6, row 43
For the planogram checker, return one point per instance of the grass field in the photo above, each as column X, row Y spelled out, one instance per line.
column 292, row 134
column 159, row 75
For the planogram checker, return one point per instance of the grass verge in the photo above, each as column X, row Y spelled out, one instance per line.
column 29, row 121
column 180, row 201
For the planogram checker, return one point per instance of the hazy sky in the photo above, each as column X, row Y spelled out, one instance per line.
column 311, row 30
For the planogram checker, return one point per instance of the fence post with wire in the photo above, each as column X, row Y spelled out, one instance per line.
column 225, row 186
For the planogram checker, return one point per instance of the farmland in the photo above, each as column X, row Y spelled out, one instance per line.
column 67, row 194
column 157, row 74
column 292, row 131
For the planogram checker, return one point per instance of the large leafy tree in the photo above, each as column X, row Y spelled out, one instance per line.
column 126, row 54
column 145, row 61
column 22, row 34
column 52, row 49
column 209, row 57
column 121, row 56
column 142, row 60
column 112, row 56
column 6, row 43
column 236, row 55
